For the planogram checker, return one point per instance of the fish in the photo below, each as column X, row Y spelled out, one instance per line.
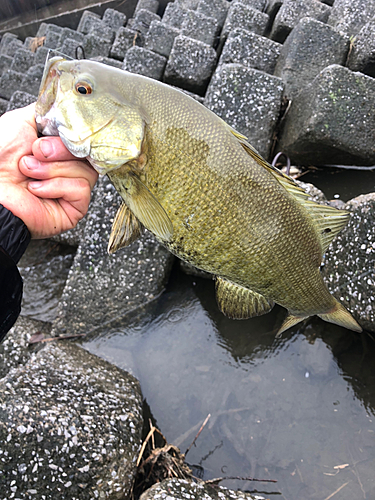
column 199, row 186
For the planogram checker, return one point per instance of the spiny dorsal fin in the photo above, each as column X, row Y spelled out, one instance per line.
column 329, row 220
column 237, row 302
column 126, row 228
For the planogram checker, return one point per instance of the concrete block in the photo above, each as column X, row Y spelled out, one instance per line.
column 214, row 8
column 3, row 105
column 190, row 64
column 70, row 47
column 200, row 27
column 144, row 62
column 124, row 40
column 103, row 31
column 20, row 100
column 31, row 81
column 151, row 5
column 72, row 35
column 23, row 59
column 251, row 50
column 114, row 19
column 362, row 54
column 143, row 20
column 11, row 46
column 310, row 47
column 187, row 4
column 332, row 121
column 6, row 38
column 52, row 40
column 350, row 16
column 10, row 81
column 42, row 30
column 41, row 55
column 109, row 61
column 5, row 63
column 174, row 15
column 87, row 21
column 95, row 46
column 160, row 38
column 248, row 100
column 254, row 4
column 292, row 11
column 245, row 17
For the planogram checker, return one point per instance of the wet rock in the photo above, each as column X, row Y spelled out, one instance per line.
column 251, row 50
column 349, row 16
column 292, row 11
column 194, row 271
column 314, row 193
column 190, row 64
column 70, row 428
column 180, row 489
column 144, row 62
column 95, row 46
column 331, row 121
column 9, row 82
column 23, row 59
column 310, row 47
column 151, row 5
column 87, row 21
column 143, row 20
column 362, row 54
column 248, row 100
column 160, row 38
column 114, row 18
column 214, row 8
column 200, row 27
column 247, row 18
column 124, row 40
column 101, row 287
column 349, row 265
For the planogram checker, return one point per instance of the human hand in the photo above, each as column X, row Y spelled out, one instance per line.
column 41, row 182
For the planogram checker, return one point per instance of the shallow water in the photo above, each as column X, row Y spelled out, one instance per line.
column 299, row 409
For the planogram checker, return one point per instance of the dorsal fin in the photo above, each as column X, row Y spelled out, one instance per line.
column 329, row 220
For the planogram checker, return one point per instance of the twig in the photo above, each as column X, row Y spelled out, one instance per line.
column 200, row 430
column 38, row 337
column 144, row 444
column 219, row 479
column 338, row 489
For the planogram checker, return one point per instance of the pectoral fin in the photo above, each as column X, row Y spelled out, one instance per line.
column 143, row 204
column 238, row 302
column 126, row 228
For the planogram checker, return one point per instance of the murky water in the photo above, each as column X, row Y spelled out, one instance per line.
column 298, row 409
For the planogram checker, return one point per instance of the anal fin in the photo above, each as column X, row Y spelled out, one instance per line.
column 237, row 302
column 288, row 322
column 126, row 228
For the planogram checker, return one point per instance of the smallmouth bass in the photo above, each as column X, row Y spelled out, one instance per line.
column 198, row 186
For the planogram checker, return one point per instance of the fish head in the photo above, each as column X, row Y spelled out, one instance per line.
column 90, row 107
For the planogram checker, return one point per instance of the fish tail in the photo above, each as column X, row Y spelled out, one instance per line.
column 290, row 321
column 340, row 316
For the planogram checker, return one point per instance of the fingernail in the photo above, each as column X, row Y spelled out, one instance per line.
column 35, row 184
column 46, row 148
column 31, row 162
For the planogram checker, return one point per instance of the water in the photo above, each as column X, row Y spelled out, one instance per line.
column 299, row 409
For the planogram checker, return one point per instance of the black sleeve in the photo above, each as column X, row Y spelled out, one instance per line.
column 14, row 238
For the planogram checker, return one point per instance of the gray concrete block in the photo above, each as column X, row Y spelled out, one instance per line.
column 254, row 4
column 350, row 16
column 114, row 19
column 6, row 38
column 103, row 31
column 41, row 55
column 174, row 15
column 20, row 99
column 72, row 35
column 247, row 18
column 95, row 46
column 5, row 63
column 144, row 62
column 251, row 50
column 87, row 21
column 151, row 5
column 248, row 100
column 109, row 61
column 52, row 40
column 10, row 81
column 214, row 8
column 292, row 11
column 69, row 47
column 190, row 64
column 42, row 30
column 11, row 46
column 31, row 81
column 200, row 27
column 187, row 4
column 23, row 59
column 362, row 54
column 160, row 38
column 3, row 105
column 124, row 40
column 332, row 120
column 310, row 47
column 273, row 6
column 143, row 20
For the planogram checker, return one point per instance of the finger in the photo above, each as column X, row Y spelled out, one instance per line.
column 51, row 149
column 35, row 169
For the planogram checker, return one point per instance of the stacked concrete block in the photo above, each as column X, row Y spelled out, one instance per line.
column 245, row 17
column 174, row 15
column 23, row 59
column 70, row 47
column 143, row 20
column 103, row 31
column 3, row 105
column 144, row 62
column 87, row 21
column 332, row 120
column 349, row 16
column 190, row 64
column 11, row 46
column 69, row 34
column 310, row 47
column 151, row 5
column 5, row 63
column 362, row 54
column 114, row 19
column 160, row 38
column 5, row 39
column 292, row 11
column 31, row 80
column 20, row 99
column 9, row 82
column 254, row 4
column 95, row 46
column 187, row 4
column 52, row 35
column 251, row 50
column 200, row 27
column 214, row 8
column 108, row 61
column 247, row 99
column 42, row 53
column 124, row 40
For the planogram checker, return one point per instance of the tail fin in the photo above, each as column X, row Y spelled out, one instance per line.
column 340, row 316
column 290, row 321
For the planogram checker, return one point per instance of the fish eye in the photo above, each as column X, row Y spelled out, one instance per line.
column 83, row 88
